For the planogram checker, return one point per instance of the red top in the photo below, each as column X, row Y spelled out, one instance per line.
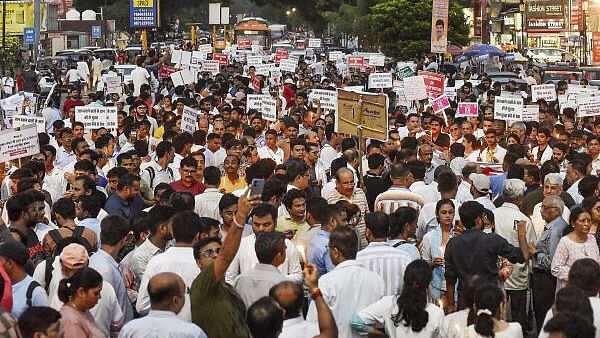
column 195, row 189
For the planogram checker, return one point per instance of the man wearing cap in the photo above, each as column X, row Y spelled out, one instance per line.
column 480, row 189
column 73, row 257
column 505, row 220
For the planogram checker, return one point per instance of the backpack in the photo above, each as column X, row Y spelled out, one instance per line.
column 29, row 293
column 57, row 238
column 152, row 174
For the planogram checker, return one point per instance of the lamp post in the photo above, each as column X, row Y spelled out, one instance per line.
column 583, row 30
column 522, row 11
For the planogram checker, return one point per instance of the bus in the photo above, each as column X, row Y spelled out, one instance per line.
column 254, row 29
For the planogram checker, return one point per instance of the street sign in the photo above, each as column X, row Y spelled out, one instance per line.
column 29, row 35
column 96, row 32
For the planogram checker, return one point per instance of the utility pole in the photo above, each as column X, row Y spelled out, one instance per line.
column 36, row 27
column 4, row 36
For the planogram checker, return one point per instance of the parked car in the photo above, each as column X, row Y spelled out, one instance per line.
column 548, row 55
column 106, row 53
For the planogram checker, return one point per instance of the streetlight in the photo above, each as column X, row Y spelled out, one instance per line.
column 585, row 8
column 522, row 10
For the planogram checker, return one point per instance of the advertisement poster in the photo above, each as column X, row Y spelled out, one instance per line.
column 439, row 26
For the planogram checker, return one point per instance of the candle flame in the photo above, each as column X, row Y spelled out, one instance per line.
column 302, row 251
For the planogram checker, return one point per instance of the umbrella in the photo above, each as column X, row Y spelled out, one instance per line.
column 454, row 50
column 481, row 49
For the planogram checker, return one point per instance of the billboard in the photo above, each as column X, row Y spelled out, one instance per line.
column 143, row 13
column 545, row 16
column 18, row 17
column 439, row 26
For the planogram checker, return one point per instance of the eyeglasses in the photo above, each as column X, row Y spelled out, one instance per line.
column 208, row 253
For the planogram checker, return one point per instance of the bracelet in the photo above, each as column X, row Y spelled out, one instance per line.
column 236, row 223
column 315, row 293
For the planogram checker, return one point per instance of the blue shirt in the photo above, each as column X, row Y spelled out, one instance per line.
column 119, row 206
column 318, row 252
column 19, row 291
column 546, row 245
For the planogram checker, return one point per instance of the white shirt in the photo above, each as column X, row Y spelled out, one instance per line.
column 51, row 115
column 505, row 217
column 160, row 175
column 161, row 324
column 245, row 260
column 574, row 192
column 328, row 154
column 464, row 192
column 486, row 202
column 63, row 158
column 427, row 191
column 596, row 165
column 83, row 69
column 538, row 221
column 546, row 154
column 455, row 324
column 382, row 311
column 346, row 289
column 139, row 76
column 266, row 152
column 499, row 155
column 388, row 262
column 298, row 327
column 207, row 204
column 594, row 301
column 427, row 219
column 179, row 260
column 215, row 159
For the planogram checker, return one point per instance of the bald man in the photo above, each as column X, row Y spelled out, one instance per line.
column 167, row 296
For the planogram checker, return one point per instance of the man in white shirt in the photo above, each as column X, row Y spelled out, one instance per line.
column 215, row 155
column 207, row 203
column 271, row 150
column 8, row 84
column 167, row 296
column 576, row 171
column 65, row 154
column 480, row 190
column 427, row 191
column 493, row 152
column 158, row 170
column 54, row 180
column 330, row 150
column 178, row 259
column 553, row 184
column 349, row 286
column 84, row 70
column 139, row 76
column 381, row 258
column 264, row 219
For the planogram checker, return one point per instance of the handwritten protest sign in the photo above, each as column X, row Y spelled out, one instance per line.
column 588, row 106
column 508, row 108
column 377, row 60
column 380, row 80
column 414, row 88
column 531, row 112
column 356, row 61
column 543, row 92
column 210, row 66
column 189, row 120
column 434, row 83
column 17, row 144
column 288, row 65
column 25, row 120
column 253, row 60
column 328, row 98
column 97, row 117
column 269, row 108
column 113, row 85
column 314, row 43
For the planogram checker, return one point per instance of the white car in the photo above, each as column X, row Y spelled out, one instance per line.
column 548, row 55
column 125, row 72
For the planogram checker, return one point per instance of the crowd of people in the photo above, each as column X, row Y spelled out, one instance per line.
column 452, row 227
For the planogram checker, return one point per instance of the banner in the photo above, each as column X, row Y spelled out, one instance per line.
column 362, row 109
column 588, row 106
column 544, row 16
column 595, row 47
column 143, row 14
column 16, row 144
column 380, row 80
column 543, row 92
column 97, row 117
column 414, row 88
column 467, row 109
column 19, row 15
column 439, row 26
column 434, row 83
column 189, row 120
column 328, row 98
column 508, row 108
column 440, row 103
column 356, row 61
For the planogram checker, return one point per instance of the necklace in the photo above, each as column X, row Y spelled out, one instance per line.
column 71, row 304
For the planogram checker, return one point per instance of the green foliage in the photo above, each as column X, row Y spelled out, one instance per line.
column 118, row 11
column 403, row 27
column 11, row 55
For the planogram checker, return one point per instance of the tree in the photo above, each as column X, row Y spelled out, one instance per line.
column 403, row 27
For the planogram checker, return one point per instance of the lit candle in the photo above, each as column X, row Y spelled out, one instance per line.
column 441, row 303
column 302, row 251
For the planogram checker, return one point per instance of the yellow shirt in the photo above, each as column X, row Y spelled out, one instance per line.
column 232, row 186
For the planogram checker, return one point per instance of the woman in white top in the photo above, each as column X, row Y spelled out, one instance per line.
column 407, row 315
column 489, row 309
column 570, row 299
column 455, row 324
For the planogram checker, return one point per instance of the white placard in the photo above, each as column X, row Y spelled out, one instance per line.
column 450, row 92
column 186, row 58
column 253, row 60
column 254, row 101
column 211, row 66
column 588, row 106
column 262, row 69
column 544, row 92
column 11, row 104
column 188, row 120
column 205, row 48
column 336, row 55
column 268, row 108
column 288, row 65
column 414, row 88
column 177, row 79
column 377, row 60
column 328, row 98
column 176, row 56
column 16, row 144
column 380, row 80
column 314, row 43
column 97, row 117
column 508, row 108
column 25, row 120
column 531, row 112
column 113, row 85
column 198, row 57
column 188, row 76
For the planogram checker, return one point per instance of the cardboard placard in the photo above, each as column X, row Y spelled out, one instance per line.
column 254, row 101
column 166, row 71
column 335, row 55
column 288, row 65
column 544, row 92
column 253, row 60
column 223, row 59
column 25, row 120
column 17, row 144
column 11, row 104
column 189, row 120
column 440, row 103
column 97, row 117
column 531, row 112
column 281, row 54
column 404, row 72
column 467, row 109
column 362, row 109
column 314, row 43
column 380, row 80
column 198, row 57
column 588, row 106
column 113, row 85
column 377, row 60
column 186, row 58
column 434, row 83
column 508, row 108
column 269, row 108
column 414, row 88
column 244, row 43
column 211, row 66
column 205, row 48
column 328, row 98
column 356, row 61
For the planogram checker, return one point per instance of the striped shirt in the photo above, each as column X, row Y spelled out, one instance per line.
column 396, row 197
column 386, row 261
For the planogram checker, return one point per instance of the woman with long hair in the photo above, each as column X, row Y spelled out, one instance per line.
column 456, row 323
column 434, row 245
column 472, row 147
column 407, row 314
column 592, row 205
column 579, row 243
column 489, row 312
column 79, row 294
column 570, row 299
